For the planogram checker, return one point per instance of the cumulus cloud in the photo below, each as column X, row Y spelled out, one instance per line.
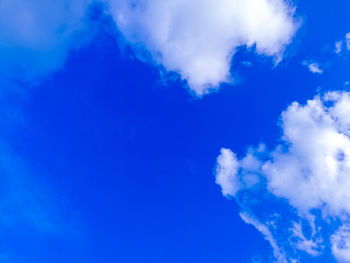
column 306, row 177
column 198, row 38
column 36, row 35
column 313, row 66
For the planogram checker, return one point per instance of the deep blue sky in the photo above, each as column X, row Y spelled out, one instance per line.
column 104, row 162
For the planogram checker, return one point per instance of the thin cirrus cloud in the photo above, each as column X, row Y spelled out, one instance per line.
column 37, row 35
column 35, row 38
column 306, row 178
column 198, row 39
column 24, row 197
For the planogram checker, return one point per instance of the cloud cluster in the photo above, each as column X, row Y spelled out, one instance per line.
column 36, row 36
column 307, row 177
column 198, row 38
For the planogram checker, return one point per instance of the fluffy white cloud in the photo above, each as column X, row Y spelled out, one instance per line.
column 198, row 38
column 310, row 169
column 36, row 36
column 226, row 173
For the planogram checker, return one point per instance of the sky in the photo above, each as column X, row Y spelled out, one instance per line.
column 174, row 131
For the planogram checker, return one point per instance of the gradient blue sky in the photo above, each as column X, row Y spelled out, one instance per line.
column 105, row 159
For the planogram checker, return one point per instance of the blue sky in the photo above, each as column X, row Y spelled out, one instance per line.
column 140, row 131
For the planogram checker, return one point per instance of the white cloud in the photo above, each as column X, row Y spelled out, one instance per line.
column 347, row 39
column 310, row 169
column 36, row 36
column 338, row 47
column 226, row 171
column 198, row 38
column 313, row 66
column 317, row 159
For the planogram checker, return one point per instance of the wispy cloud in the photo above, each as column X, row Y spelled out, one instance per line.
column 23, row 200
column 278, row 253
column 36, row 37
